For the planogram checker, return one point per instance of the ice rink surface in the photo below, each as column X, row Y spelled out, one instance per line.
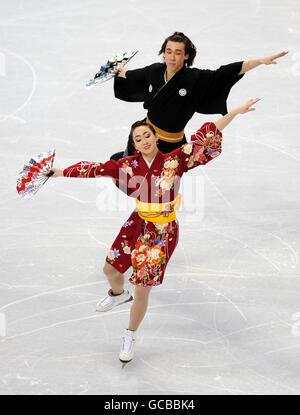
column 227, row 318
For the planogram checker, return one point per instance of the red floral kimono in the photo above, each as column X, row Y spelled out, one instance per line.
column 147, row 240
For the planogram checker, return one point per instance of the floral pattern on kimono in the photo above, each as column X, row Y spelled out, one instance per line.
column 145, row 245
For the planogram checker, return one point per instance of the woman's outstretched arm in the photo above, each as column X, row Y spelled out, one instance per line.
column 85, row 169
column 241, row 109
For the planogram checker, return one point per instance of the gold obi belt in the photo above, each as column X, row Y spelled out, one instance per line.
column 165, row 135
column 158, row 212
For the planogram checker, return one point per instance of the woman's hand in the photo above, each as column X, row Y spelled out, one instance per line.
column 120, row 71
column 54, row 172
column 242, row 109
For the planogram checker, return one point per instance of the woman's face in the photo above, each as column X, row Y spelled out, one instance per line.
column 175, row 56
column 144, row 140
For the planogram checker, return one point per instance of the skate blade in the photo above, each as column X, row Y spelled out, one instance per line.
column 124, row 363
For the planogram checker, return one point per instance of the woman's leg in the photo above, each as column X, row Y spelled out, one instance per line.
column 139, row 306
column 115, row 278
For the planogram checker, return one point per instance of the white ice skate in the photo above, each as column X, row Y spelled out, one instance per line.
column 111, row 301
column 128, row 345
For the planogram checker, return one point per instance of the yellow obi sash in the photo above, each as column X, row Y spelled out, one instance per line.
column 165, row 135
column 158, row 212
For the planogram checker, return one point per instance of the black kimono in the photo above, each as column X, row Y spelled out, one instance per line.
column 171, row 105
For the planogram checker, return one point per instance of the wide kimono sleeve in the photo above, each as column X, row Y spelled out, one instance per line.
column 134, row 87
column 205, row 145
column 214, row 86
column 119, row 170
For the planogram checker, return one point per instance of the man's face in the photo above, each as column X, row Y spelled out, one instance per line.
column 175, row 56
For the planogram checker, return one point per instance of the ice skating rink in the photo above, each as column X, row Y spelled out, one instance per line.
column 227, row 318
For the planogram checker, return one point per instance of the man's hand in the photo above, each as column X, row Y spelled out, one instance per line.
column 267, row 60
column 270, row 60
column 120, row 71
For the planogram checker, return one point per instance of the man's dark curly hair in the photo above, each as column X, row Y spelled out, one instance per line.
column 189, row 47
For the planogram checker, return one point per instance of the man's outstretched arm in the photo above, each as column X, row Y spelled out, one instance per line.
column 268, row 60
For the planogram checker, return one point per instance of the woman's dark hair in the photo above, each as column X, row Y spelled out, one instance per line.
column 189, row 47
column 141, row 123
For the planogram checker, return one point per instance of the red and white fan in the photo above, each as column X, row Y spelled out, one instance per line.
column 35, row 174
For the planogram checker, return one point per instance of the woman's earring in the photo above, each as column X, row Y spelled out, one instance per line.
column 136, row 152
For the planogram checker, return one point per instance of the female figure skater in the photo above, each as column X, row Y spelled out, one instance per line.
column 172, row 91
column 148, row 238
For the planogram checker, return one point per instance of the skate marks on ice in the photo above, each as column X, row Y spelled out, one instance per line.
column 171, row 339
column 253, row 228
column 10, row 60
